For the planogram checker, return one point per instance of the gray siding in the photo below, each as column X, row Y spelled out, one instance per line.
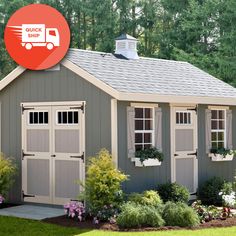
column 147, row 177
column 49, row 86
column 206, row 167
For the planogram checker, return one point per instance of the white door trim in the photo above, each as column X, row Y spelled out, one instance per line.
column 51, row 106
column 173, row 108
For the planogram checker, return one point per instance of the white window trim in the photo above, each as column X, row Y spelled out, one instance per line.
column 220, row 108
column 39, row 124
column 66, row 110
column 150, row 106
column 181, row 111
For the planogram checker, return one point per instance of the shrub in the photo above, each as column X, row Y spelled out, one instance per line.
column 7, row 172
column 179, row 214
column 173, row 192
column 209, row 191
column 103, row 182
column 134, row 215
column 75, row 209
column 150, row 198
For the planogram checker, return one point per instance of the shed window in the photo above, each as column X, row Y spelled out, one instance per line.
column 38, row 117
column 183, row 117
column 67, row 117
column 144, row 130
column 218, row 128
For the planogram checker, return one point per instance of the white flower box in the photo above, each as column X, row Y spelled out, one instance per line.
column 219, row 157
column 148, row 162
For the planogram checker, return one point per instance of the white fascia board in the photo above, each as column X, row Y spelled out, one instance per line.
column 11, row 76
column 141, row 97
column 90, row 78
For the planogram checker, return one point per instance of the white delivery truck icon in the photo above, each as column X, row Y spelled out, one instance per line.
column 37, row 35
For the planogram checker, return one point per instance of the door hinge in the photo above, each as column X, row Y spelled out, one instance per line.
column 192, row 154
column 23, row 154
column 81, row 157
column 26, row 108
column 192, row 109
column 82, row 107
column 26, row 195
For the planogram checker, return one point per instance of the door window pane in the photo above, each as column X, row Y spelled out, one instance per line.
column 38, row 117
column 67, row 117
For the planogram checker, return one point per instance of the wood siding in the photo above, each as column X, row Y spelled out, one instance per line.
column 51, row 86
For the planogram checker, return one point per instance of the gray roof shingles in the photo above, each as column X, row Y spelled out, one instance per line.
column 150, row 76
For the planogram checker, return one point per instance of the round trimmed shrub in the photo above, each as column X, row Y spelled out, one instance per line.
column 173, row 192
column 209, row 191
column 134, row 215
column 150, row 198
column 180, row 214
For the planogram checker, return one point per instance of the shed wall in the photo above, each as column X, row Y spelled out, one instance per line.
column 206, row 167
column 51, row 86
column 143, row 178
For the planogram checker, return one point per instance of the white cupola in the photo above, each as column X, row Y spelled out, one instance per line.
column 126, row 45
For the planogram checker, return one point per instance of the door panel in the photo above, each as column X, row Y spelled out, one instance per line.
column 52, row 147
column 184, row 130
column 36, row 167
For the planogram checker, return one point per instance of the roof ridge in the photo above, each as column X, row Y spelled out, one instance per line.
column 141, row 57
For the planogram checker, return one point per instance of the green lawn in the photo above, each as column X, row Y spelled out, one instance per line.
column 14, row 226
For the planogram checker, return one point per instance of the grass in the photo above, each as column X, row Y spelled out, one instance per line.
column 22, row 227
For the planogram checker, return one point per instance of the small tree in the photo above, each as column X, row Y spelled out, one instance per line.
column 103, row 182
column 7, row 172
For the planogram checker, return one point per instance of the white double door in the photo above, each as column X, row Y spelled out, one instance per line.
column 184, row 147
column 52, row 152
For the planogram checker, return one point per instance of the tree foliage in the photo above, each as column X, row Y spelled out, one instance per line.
column 200, row 32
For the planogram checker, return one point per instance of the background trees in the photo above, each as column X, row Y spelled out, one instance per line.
column 201, row 32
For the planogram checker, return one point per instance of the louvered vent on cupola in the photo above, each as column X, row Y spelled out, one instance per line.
column 126, row 45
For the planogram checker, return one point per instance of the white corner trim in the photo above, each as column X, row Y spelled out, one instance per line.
column 90, row 78
column 10, row 77
column 114, row 133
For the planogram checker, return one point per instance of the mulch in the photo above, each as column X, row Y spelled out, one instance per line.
column 67, row 222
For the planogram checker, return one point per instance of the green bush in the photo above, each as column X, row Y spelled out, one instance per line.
column 7, row 172
column 150, row 198
column 173, row 192
column 209, row 191
column 134, row 215
column 103, row 182
column 179, row 214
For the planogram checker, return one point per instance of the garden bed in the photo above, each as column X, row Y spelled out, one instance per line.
column 65, row 221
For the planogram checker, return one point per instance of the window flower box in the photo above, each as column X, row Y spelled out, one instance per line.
column 219, row 157
column 147, row 162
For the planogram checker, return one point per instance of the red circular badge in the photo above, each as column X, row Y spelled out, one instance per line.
column 37, row 36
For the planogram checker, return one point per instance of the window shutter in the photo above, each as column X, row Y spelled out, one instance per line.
column 158, row 128
column 208, row 130
column 229, row 140
column 130, row 132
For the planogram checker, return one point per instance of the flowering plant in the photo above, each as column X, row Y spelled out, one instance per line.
column 107, row 213
column 75, row 209
column 2, row 199
column 229, row 199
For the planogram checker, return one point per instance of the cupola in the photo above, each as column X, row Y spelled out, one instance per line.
column 126, row 45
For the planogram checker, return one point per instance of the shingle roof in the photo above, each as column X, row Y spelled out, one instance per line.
column 150, row 76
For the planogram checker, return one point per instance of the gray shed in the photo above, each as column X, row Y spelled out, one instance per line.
column 53, row 120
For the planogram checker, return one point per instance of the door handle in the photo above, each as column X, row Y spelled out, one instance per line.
column 53, row 155
column 176, row 155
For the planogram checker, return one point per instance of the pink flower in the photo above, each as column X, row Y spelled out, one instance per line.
column 2, row 199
